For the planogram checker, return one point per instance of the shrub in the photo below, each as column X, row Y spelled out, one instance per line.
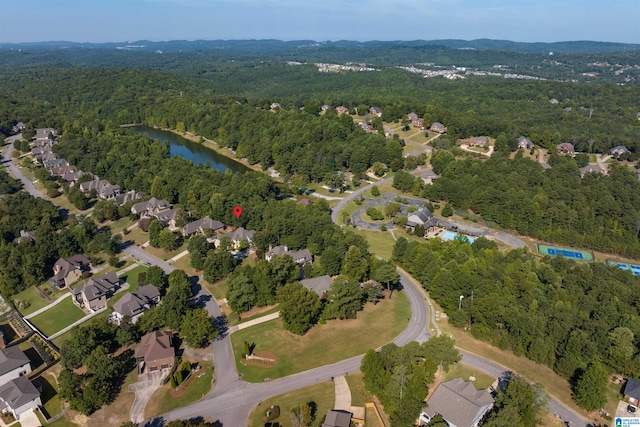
column 272, row 413
column 375, row 191
column 375, row 214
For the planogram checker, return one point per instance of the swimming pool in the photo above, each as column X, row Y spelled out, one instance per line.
column 450, row 235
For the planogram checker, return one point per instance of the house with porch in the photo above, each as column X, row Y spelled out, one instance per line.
column 134, row 304
column 66, row 271
column 156, row 352
column 201, row 225
column 94, row 293
column 459, row 403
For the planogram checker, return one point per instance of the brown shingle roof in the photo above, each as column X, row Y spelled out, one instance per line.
column 155, row 345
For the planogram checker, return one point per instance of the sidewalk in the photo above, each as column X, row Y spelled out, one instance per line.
column 177, row 257
column 127, row 269
column 254, row 322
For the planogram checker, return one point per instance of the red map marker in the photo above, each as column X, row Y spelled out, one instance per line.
column 237, row 211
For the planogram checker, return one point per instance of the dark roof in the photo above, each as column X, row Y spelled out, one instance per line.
column 150, row 204
column 319, row 285
column 202, row 224
column 240, row 234
column 134, row 303
column 459, row 402
column 155, row 345
column 18, row 392
column 123, row 198
column 65, row 266
column 12, row 358
column 98, row 286
column 632, row 388
column 148, row 291
column 337, row 418
column 423, row 214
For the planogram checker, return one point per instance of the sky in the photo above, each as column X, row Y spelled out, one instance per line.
column 319, row 20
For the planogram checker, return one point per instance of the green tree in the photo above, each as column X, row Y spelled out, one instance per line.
column 385, row 272
column 375, row 191
column 155, row 227
column 197, row 328
column 621, row 350
column 346, row 299
column 521, row 404
column 355, row 265
column 167, row 240
column 447, row 210
column 590, row 389
column 299, row 307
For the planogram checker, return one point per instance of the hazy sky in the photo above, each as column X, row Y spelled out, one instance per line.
column 320, row 20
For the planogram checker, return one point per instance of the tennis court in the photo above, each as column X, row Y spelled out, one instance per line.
column 635, row 269
column 576, row 254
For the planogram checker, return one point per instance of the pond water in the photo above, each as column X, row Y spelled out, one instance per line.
column 197, row 153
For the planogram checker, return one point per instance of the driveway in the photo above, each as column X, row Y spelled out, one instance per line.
column 17, row 173
column 147, row 384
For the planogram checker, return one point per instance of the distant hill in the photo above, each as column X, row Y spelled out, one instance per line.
column 264, row 46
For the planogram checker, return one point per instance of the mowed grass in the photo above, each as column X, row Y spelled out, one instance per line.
column 460, row 370
column 165, row 255
column 322, row 395
column 57, row 317
column 32, row 297
column 380, row 242
column 323, row 344
column 162, row 400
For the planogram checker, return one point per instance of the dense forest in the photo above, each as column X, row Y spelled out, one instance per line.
column 566, row 315
column 555, row 205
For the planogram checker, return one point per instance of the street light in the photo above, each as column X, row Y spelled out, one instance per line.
column 460, row 302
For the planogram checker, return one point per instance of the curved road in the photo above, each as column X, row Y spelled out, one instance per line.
column 231, row 399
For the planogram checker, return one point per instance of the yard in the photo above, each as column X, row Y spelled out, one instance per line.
column 323, row 344
column 163, row 401
column 460, row 370
column 31, row 297
column 163, row 254
column 57, row 317
column 321, row 395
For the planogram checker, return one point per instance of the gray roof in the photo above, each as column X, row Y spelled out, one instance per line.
column 240, row 234
column 524, row 141
column 25, row 236
column 619, row 149
column 151, row 204
column 11, row 358
column 123, row 198
column 337, row 418
column 134, row 303
column 167, row 215
column 76, row 262
column 422, row 215
column 99, row 286
column 319, row 285
column 18, row 392
column 202, row 224
column 590, row 169
column 459, row 402
column 632, row 388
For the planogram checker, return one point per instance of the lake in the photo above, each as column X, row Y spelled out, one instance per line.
column 197, row 153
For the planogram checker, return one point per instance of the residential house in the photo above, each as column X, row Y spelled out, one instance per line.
column 199, row 226
column 568, row 109
column 619, row 150
column 134, row 304
column 150, row 207
column 459, row 403
column 438, row 127
column 72, row 178
column 479, row 141
column 418, row 124
column 337, row 418
column 94, row 293
column 412, row 116
column 632, row 391
column 376, row 111
column 169, row 217
column 275, row 106
column 129, row 196
column 301, row 257
column 423, row 217
column 104, row 189
column 237, row 236
column 319, row 285
column 590, row 169
column 429, row 176
column 50, row 161
column 48, row 157
column 63, row 170
column 525, row 143
column 156, row 352
column 43, row 133
column 553, row 101
column 341, row 109
column 19, row 397
column 66, row 271
column 566, row 148
column 25, row 236
column 325, row 107
column 13, row 364
column 19, row 127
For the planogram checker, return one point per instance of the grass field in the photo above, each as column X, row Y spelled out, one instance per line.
column 164, row 255
column 460, row 370
column 32, row 297
column 137, row 236
column 162, row 400
column 218, row 290
column 322, row 395
column 50, row 398
column 380, row 242
column 58, row 317
column 323, row 344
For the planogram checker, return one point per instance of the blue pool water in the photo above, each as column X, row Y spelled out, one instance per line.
column 450, row 235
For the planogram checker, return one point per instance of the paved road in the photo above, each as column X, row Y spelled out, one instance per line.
column 17, row 173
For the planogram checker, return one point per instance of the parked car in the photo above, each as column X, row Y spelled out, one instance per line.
column 631, row 409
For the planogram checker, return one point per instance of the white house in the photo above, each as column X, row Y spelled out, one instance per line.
column 13, row 364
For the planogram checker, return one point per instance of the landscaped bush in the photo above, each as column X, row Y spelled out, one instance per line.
column 272, row 413
column 375, row 214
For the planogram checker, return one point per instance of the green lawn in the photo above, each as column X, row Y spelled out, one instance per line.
column 164, row 255
column 58, row 317
column 460, row 370
column 322, row 395
column 50, row 398
column 121, row 224
column 380, row 242
column 32, row 297
column 162, row 401
column 323, row 344
column 218, row 290
column 137, row 236
column 349, row 209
